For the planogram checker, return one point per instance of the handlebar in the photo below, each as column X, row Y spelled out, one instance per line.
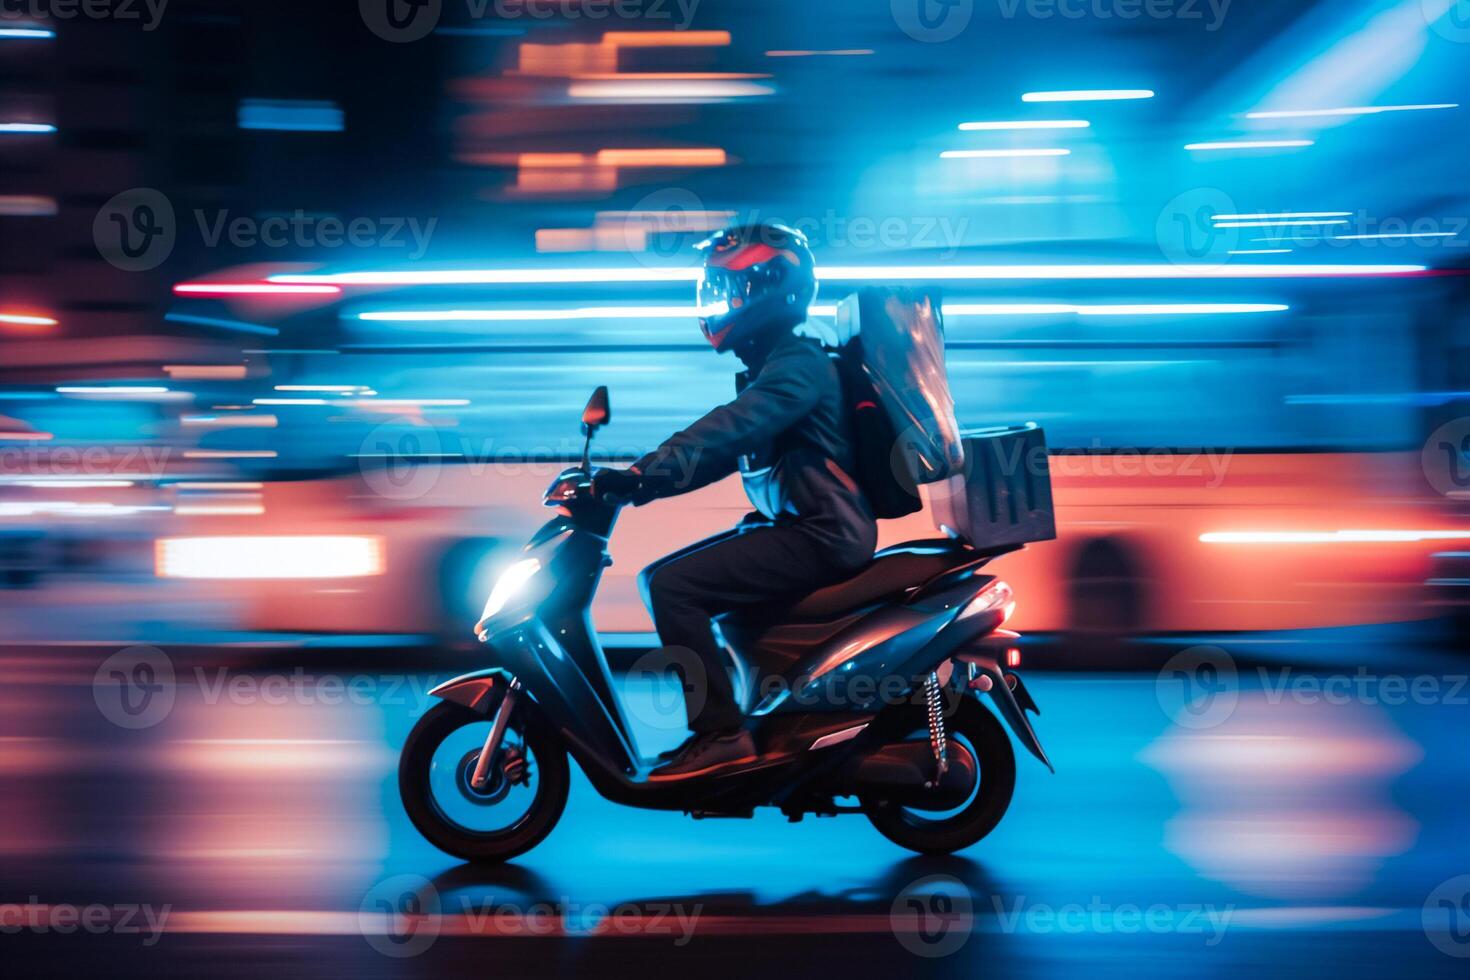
column 606, row 498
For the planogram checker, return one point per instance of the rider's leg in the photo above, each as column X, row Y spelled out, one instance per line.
column 774, row 564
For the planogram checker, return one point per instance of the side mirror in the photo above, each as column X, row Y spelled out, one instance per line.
column 597, row 413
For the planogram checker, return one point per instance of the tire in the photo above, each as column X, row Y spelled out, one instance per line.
column 550, row 776
column 967, row 825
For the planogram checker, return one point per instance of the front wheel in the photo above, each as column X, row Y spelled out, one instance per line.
column 520, row 802
column 974, row 730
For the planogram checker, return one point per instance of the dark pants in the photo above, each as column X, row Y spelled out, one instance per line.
column 688, row 589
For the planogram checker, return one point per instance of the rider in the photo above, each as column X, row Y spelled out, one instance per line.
column 789, row 414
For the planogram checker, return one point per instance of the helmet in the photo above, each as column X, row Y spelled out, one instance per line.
column 756, row 278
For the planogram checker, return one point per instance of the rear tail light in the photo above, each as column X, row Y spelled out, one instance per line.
column 997, row 597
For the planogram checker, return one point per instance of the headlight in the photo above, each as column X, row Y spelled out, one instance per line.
column 507, row 587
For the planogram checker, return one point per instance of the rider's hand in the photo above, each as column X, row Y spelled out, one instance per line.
column 617, row 486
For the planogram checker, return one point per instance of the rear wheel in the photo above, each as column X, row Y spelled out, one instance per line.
column 974, row 730
column 520, row 802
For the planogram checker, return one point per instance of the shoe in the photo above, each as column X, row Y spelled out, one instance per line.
column 707, row 755
column 668, row 754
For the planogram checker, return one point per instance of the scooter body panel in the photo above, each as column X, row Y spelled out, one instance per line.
column 549, row 646
column 874, row 656
column 552, row 649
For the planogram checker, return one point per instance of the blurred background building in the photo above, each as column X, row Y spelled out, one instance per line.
column 314, row 275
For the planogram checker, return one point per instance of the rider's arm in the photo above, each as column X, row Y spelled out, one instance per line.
column 787, row 388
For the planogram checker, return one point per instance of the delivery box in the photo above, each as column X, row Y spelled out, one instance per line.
column 1003, row 496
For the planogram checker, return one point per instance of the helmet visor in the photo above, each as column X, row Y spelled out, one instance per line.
column 716, row 289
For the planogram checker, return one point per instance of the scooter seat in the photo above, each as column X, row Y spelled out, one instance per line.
column 891, row 572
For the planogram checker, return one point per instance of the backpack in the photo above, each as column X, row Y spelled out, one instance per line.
column 891, row 362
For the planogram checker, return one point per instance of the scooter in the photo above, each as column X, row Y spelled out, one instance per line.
column 874, row 705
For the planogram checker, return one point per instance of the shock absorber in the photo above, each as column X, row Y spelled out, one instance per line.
column 938, row 737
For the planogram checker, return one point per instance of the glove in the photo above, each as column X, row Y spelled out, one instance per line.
column 617, row 486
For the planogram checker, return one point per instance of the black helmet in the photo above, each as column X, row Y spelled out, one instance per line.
column 756, row 278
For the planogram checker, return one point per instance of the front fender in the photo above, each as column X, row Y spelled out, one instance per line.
column 480, row 690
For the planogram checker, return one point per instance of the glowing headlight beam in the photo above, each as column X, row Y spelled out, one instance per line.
column 694, row 156
column 253, row 289
column 491, row 316
column 72, row 508
column 1365, row 110
column 1089, row 95
column 831, row 53
column 647, row 90
column 854, row 273
column 983, row 127
column 1316, row 223
column 408, row 402
column 1249, row 145
column 1354, row 536
column 1121, row 272
column 1181, row 309
column 1401, row 234
column 667, row 39
column 1289, row 216
column 72, row 484
column 690, row 312
column 494, row 277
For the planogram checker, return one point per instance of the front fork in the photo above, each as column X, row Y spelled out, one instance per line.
column 496, row 736
column 483, row 691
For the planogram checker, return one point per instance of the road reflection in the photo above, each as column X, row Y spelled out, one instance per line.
column 254, row 819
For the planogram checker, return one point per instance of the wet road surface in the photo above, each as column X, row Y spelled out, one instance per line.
column 247, row 823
